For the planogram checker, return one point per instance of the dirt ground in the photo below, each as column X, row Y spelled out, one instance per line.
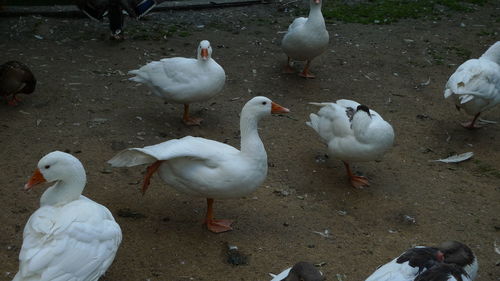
column 85, row 105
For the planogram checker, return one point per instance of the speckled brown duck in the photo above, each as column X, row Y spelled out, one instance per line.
column 15, row 78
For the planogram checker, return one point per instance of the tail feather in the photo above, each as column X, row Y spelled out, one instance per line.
column 131, row 157
column 314, row 123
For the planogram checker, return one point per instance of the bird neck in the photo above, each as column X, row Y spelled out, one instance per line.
column 64, row 191
column 251, row 143
column 315, row 15
column 360, row 123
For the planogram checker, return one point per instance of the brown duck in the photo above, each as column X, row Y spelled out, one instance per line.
column 15, row 78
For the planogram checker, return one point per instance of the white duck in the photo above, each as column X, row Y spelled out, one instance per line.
column 184, row 80
column 306, row 39
column 475, row 85
column 301, row 271
column 70, row 237
column 408, row 265
column 207, row 168
column 353, row 133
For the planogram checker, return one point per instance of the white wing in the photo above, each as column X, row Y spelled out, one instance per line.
column 393, row 271
column 77, row 241
column 202, row 149
column 282, row 275
column 296, row 23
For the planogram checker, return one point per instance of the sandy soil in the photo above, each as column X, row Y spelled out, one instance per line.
column 85, row 105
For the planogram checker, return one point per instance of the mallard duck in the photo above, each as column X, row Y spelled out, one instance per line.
column 353, row 132
column 184, row 80
column 15, row 78
column 70, row 237
column 475, row 85
column 301, row 271
column 415, row 261
column 206, row 168
column 306, row 39
column 114, row 9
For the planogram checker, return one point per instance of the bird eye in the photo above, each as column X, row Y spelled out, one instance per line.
column 264, row 102
column 47, row 166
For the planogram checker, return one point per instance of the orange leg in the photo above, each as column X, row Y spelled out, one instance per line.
column 150, row 170
column 190, row 121
column 305, row 73
column 356, row 181
column 214, row 225
column 471, row 125
column 288, row 68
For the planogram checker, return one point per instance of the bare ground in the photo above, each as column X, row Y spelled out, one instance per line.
column 85, row 105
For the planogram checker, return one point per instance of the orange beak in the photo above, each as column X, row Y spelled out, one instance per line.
column 276, row 108
column 35, row 179
column 204, row 53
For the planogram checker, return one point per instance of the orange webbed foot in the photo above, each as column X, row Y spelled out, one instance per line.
column 359, row 182
column 192, row 121
column 218, row 226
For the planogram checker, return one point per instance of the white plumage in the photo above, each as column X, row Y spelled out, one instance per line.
column 475, row 85
column 352, row 132
column 184, row 80
column 306, row 38
column 206, row 168
column 70, row 237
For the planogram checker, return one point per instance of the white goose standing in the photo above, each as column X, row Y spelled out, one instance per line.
column 306, row 39
column 184, row 80
column 475, row 85
column 70, row 237
column 353, row 132
column 206, row 168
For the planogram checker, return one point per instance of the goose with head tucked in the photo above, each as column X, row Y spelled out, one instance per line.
column 184, row 80
column 15, row 78
column 306, row 39
column 205, row 168
column 70, row 237
column 475, row 85
column 353, row 132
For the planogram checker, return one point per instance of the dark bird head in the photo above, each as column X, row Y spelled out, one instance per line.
column 457, row 253
column 364, row 108
column 304, row 271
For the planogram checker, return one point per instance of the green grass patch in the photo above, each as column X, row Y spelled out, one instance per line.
column 388, row 11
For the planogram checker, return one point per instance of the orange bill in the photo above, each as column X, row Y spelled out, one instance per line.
column 35, row 179
column 276, row 108
column 204, row 53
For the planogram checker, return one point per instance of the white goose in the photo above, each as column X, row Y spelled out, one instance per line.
column 207, row 168
column 475, row 85
column 306, row 39
column 184, row 80
column 70, row 237
column 353, row 133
